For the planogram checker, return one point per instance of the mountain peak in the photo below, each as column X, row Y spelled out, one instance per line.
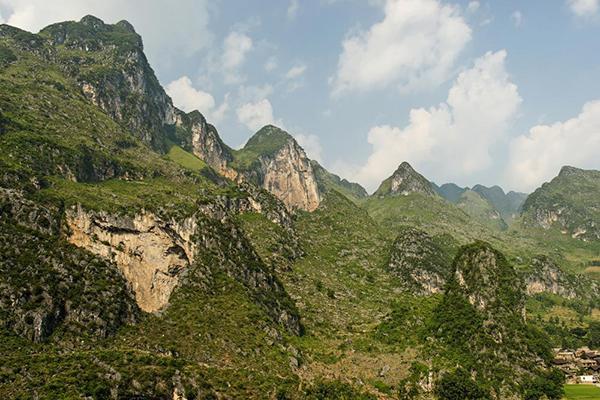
column 567, row 170
column 268, row 140
column 92, row 21
column 405, row 180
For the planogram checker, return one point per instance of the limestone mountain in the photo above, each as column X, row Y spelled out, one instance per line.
column 273, row 160
column 450, row 191
column 328, row 181
column 568, row 203
column 508, row 205
column 405, row 180
column 141, row 257
column 422, row 261
column 480, row 208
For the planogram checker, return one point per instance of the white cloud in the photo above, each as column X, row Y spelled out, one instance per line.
column 311, row 145
column 292, row 10
column 257, row 114
column 473, row 6
column 453, row 140
column 415, row 45
column 296, row 72
column 180, row 32
column 187, row 98
column 235, row 48
column 517, row 18
column 537, row 156
column 271, row 64
column 583, row 8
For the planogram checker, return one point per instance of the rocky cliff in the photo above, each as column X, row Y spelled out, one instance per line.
column 422, row 262
column 405, row 180
column 273, row 160
column 568, row 203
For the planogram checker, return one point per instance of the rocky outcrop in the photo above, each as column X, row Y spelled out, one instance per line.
column 290, row 177
column 273, row 160
column 150, row 252
column 404, row 181
column 48, row 284
column 420, row 261
column 203, row 140
column 115, row 75
column 488, row 281
column 568, row 203
column 545, row 276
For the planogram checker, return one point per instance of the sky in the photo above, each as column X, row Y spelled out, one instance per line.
column 491, row 92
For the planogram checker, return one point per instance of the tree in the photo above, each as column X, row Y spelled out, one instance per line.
column 459, row 385
column 594, row 334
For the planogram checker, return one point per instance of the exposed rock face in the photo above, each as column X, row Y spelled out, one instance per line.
column 273, row 160
column 420, row 261
column 405, row 180
column 47, row 283
column 569, row 203
column 546, row 276
column 290, row 177
column 126, row 88
column 486, row 279
column 205, row 143
column 151, row 253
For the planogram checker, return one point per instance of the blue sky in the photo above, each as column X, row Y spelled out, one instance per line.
column 493, row 92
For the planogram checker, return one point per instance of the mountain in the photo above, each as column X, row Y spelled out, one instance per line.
column 272, row 159
column 568, row 203
column 450, row 191
column 508, row 204
column 142, row 257
column 328, row 181
column 480, row 208
column 405, row 180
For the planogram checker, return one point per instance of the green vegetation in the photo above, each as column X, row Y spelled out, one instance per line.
column 266, row 142
column 581, row 392
column 185, row 159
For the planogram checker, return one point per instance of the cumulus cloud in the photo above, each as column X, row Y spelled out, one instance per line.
column 188, row 98
column 180, row 32
column 537, row 156
column 255, row 115
column 415, row 45
column 453, row 140
column 295, row 72
column 292, row 10
column 235, row 48
column 473, row 6
column 583, row 8
column 271, row 64
column 517, row 18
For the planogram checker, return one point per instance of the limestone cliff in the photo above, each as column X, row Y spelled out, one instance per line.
column 568, row 203
column 203, row 140
column 273, row 160
column 421, row 261
column 114, row 74
column 151, row 253
column 545, row 276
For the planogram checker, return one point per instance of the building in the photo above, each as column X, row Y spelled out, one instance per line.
column 587, row 379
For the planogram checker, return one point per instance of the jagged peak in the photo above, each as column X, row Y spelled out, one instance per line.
column 126, row 25
column 268, row 140
column 405, row 180
column 92, row 21
column 569, row 170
